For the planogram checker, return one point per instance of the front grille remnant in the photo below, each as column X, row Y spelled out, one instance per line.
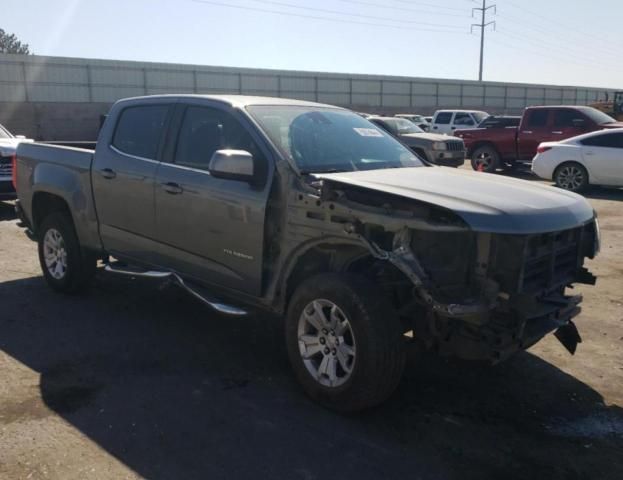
column 550, row 260
column 540, row 263
column 6, row 166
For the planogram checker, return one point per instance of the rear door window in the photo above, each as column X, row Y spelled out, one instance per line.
column 463, row 119
column 443, row 118
column 140, row 130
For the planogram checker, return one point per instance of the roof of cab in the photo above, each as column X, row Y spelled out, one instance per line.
column 234, row 100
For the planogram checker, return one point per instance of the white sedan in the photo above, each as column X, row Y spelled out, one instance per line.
column 592, row 159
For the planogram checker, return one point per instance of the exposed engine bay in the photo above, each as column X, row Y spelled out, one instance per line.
column 472, row 294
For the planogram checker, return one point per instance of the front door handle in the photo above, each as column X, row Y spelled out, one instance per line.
column 172, row 188
column 108, row 173
column 589, row 153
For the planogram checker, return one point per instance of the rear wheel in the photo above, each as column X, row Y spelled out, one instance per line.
column 485, row 159
column 66, row 267
column 344, row 341
column 571, row 176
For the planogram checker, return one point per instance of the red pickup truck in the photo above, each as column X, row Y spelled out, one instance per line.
column 493, row 148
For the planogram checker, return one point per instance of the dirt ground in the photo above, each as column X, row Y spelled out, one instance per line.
column 135, row 381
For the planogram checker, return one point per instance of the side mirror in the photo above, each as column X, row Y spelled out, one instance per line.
column 232, row 165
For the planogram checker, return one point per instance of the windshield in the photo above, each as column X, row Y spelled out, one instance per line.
column 479, row 116
column 596, row 116
column 321, row 139
column 402, row 126
column 4, row 133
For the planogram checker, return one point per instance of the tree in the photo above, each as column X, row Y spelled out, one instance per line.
column 10, row 44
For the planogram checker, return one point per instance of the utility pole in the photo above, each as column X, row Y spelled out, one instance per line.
column 482, row 25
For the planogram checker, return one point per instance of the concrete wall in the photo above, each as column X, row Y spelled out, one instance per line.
column 54, row 98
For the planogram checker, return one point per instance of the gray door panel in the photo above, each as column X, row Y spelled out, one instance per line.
column 125, row 203
column 123, row 173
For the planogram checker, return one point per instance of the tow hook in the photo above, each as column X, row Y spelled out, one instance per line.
column 569, row 336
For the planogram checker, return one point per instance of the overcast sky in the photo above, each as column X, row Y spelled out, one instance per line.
column 565, row 42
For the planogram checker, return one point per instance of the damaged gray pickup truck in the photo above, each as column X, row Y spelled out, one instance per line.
column 312, row 213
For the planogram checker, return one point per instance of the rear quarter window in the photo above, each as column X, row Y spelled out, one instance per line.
column 140, row 129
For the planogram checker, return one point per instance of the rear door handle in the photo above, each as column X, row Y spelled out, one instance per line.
column 108, row 173
column 172, row 188
column 527, row 131
column 557, row 133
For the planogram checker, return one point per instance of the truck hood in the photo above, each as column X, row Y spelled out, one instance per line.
column 486, row 202
column 426, row 137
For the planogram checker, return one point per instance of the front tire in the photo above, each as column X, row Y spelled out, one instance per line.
column 571, row 176
column 344, row 341
column 485, row 159
column 66, row 267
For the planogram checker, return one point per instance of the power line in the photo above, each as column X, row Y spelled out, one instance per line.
column 482, row 25
column 404, row 9
column 588, row 51
column 347, row 14
column 556, row 23
column 546, row 28
column 432, row 5
column 328, row 19
column 564, row 53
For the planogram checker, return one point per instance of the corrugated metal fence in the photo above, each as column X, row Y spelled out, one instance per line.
column 37, row 79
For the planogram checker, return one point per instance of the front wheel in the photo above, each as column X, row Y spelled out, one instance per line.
column 344, row 342
column 485, row 159
column 66, row 267
column 571, row 176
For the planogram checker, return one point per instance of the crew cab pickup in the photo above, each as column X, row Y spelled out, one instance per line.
column 310, row 212
column 491, row 149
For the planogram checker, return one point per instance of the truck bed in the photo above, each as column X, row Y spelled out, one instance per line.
column 41, row 168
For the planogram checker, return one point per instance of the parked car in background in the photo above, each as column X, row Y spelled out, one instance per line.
column 492, row 148
column 433, row 147
column 500, row 121
column 314, row 214
column 418, row 120
column 592, row 159
column 8, row 146
column 447, row 121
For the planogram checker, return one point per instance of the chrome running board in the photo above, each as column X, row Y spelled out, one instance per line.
column 196, row 292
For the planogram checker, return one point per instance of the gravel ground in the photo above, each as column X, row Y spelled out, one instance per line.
column 136, row 381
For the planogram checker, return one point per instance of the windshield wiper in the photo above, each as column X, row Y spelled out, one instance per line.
column 328, row 170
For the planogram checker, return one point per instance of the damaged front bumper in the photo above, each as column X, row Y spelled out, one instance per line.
column 513, row 294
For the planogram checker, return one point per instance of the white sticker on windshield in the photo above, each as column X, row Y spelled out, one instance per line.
column 368, row 132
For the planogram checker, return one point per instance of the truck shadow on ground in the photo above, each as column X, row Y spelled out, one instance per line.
column 173, row 391
column 7, row 211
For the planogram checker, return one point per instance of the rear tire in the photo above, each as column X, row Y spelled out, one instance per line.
column 571, row 176
column 344, row 341
column 488, row 157
column 66, row 267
